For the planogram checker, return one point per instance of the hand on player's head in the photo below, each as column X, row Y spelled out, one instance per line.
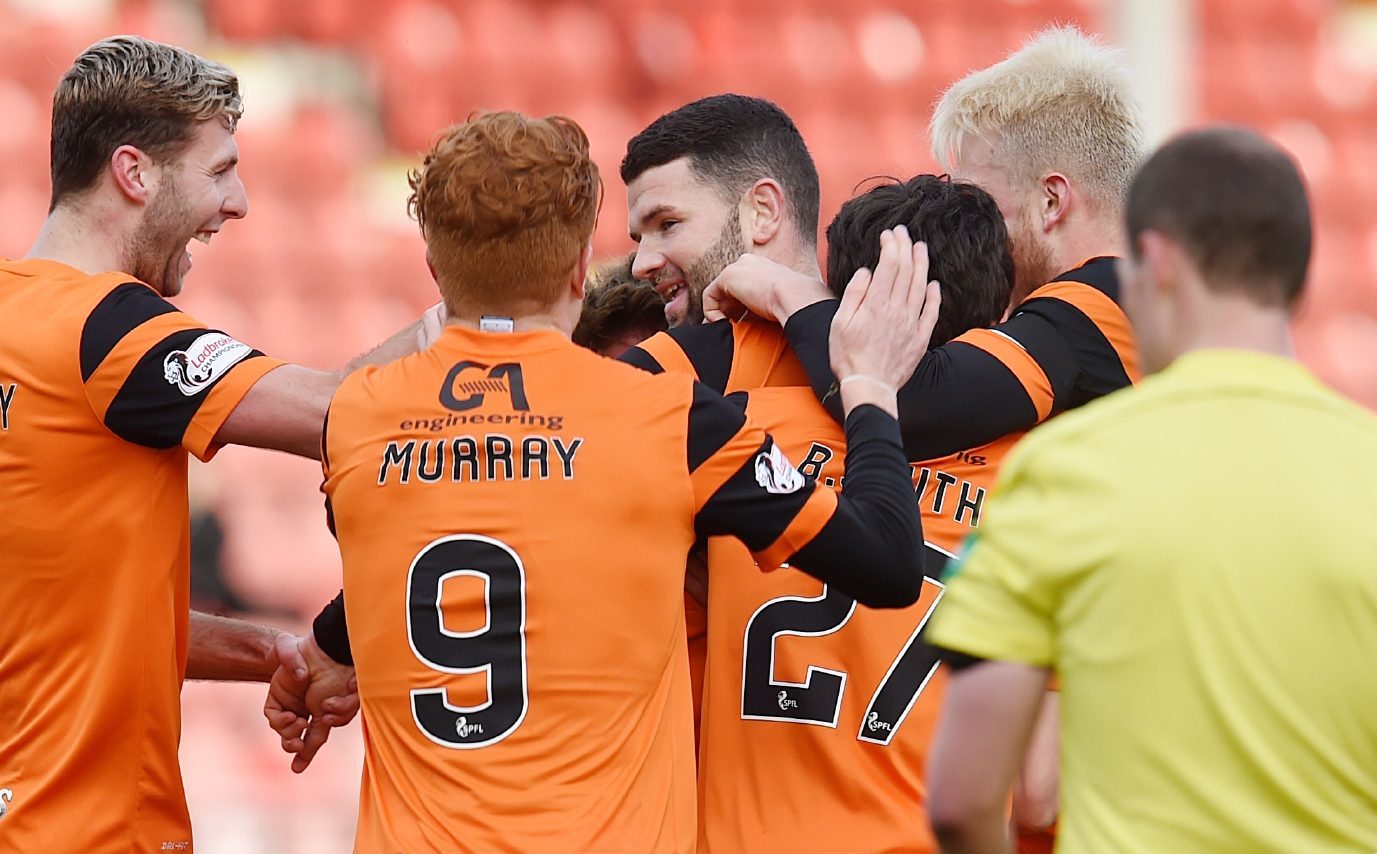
column 885, row 320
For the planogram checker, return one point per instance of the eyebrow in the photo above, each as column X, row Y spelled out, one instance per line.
column 649, row 216
column 225, row 163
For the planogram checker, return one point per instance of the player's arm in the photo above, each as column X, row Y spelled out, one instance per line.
column 703, row 351
column 1057, row 351
column 225, row 650
column 159, row 378
column 283, row 411
column 867, row 541
column 987, row 720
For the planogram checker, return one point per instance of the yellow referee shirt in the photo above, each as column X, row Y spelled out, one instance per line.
column 1197, row 560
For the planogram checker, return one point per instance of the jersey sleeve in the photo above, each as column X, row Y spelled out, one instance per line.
column 704, row 352
column 1067, row 344
column 867, row 541
column 744, row 485
column 1045, row 528
column 159, row 378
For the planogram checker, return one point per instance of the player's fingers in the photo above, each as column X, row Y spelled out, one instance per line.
column 719, row 304
column 917, row 290
column 851, row 300
column 903, row 275
column 280, row 719
column 932, row 307
column 288, row 650
column 886, row 269
column 316, row 736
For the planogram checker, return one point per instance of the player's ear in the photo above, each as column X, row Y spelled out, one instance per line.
column 762, row 211
column 133, row 171
column 430, row 265
column 1057, row 199
column 1161, row 259
column 580, row 277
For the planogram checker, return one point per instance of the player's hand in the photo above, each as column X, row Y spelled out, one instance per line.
column 760, row 286
column 303, row 710
column 884, row 323
column 432, row 324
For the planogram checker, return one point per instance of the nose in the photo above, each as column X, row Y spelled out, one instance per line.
column 646, row 262
column 236, row 202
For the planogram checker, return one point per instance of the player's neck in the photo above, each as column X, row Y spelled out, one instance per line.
column 1081, row 244
column 793, row 254
column 76, row 239
column 497, row 322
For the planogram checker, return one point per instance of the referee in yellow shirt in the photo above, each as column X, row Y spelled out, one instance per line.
column 1196, row 558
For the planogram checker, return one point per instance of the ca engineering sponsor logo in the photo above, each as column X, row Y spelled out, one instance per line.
column 207, row 359
column 775, row 473
column 6, row 795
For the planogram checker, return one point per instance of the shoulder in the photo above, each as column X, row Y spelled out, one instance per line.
column 1099, row 273
column 1097, row 436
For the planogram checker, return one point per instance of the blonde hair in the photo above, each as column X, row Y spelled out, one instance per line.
column 506, row 204
column 1063, row 102
column 127, row 90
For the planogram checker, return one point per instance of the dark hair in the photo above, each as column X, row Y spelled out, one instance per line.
column 1236, row 202
column 968, row 245
column 732, row 141
column 616, row 302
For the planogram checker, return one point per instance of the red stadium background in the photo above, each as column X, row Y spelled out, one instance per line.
column 342, row 95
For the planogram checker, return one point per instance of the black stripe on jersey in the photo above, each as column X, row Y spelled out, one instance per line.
column 710, row 347
column 743, row 508
column 1099, row 273
column 1049, row 348
column 115, row 316
column 1100, row 368
column 151, row 411
column 961, row 397
column 639, row 358
column 712, row 423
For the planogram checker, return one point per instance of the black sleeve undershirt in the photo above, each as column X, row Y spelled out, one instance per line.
column 872, row 547
column 332, row 631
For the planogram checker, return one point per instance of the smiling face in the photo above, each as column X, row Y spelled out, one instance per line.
column 685, row 232
column 198, row 190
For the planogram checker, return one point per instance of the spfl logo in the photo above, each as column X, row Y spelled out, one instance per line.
column 6, row 795
column 785, row 702
column 776, row 474
column 466, row 729
column 873, row 723
column 207, row 359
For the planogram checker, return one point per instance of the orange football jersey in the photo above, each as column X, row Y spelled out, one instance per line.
column 817, row 713
column 514, row 513
column 104, row 389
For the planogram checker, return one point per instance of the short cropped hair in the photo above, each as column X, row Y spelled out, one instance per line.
column 127, row 90
column 1062, row 103
column 1236, row 202
column 614, row 303
column 968, row 245
column 506, row 204
column 731, row 142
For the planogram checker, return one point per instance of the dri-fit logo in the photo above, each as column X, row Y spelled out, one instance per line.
column 467, row 385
